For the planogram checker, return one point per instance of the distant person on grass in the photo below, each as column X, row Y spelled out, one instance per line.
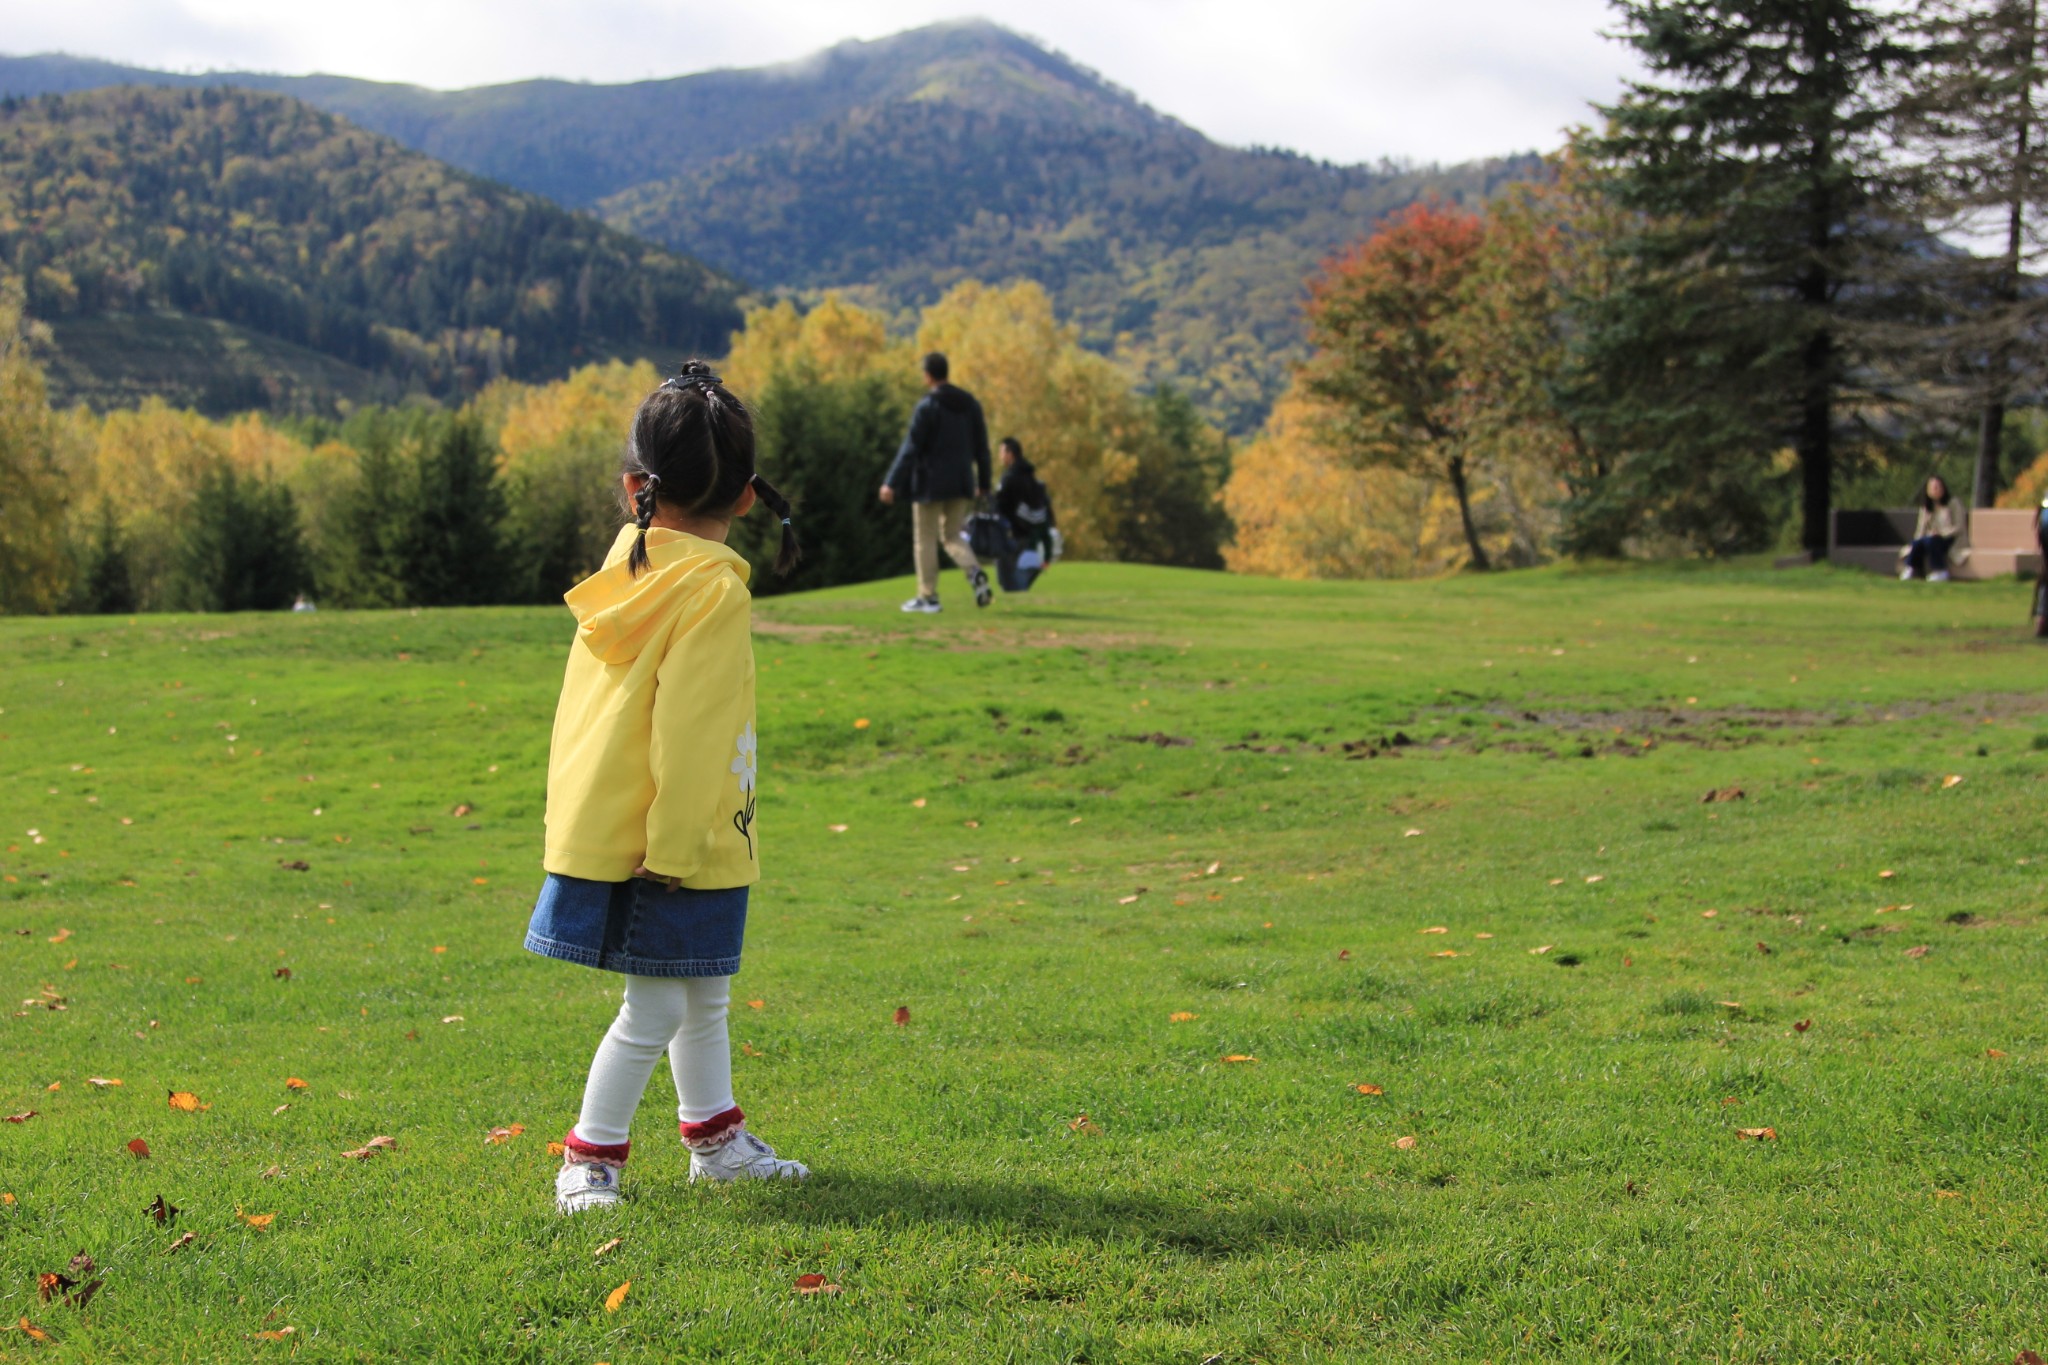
column 1024, row 504
column 1934, row 531
column 942, row 467
column 650, row 814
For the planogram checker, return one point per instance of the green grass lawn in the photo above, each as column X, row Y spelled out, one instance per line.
column 1194, row 856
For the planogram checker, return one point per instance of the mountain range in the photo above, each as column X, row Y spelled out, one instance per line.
column 891, row 169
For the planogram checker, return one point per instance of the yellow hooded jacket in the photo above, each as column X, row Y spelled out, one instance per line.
column 652, row 761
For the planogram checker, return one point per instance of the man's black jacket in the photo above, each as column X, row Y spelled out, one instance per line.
column 945, row 455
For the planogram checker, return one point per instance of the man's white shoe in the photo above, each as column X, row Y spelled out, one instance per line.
column 922, row 604
column 745, row 1157
column 1906, row 574
column 583, row 1185
column 1938, row 576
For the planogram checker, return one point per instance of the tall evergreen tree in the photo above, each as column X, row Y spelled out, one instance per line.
column 1970, row 126
column 455, row 556
column 1754, row 152
column 240, row 549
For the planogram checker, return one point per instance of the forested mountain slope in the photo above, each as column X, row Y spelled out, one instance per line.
column 894, row 168
column 129, row 211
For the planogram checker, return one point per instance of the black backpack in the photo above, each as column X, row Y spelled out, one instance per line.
column 988, row 535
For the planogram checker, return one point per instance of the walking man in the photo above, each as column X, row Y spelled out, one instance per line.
column 942, row 467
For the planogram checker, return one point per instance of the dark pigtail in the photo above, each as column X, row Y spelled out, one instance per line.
column 791, row 554
column 643, row 516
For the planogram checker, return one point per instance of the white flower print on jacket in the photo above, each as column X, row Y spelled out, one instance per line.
column 743, row 767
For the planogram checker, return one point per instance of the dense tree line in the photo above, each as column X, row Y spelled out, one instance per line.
column 1798, row 260
column 514, row 495
column 266, row 213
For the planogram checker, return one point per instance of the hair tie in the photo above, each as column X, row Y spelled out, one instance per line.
column 785, row 521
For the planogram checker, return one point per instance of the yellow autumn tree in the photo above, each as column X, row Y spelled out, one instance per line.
column 34, row 567
column 1074, row 411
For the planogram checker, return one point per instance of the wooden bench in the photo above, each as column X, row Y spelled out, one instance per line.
column 1996, row 542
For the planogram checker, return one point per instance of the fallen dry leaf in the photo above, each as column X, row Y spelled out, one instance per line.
column 1411, row 833
column 24, row 1116
column 460, row 809
column 861, row 723
column 101, row 1082
column 837, row 829
column 1993, row 1052
column 919, row 803
column 1544, row 949
column 1708, row 914
column 139, row 1148
column 1759, row 1134
column 162, row 1211
column 757, row 1004
column 184, row 1240
column 1434, row 929
column 451, row 1018
column 1952, row 780
column 186, row 1102
column 270, row 1173
column 273, row 1334
column 33, row 1332
column 1343, row 954
column 1920, row 950
column 502, row 1135
column 1596, row 877
column 1763, row 947
column 814, row 1284
column 294, row 1083
column 1723, row 794
column 1405, row 1143
column 558, row 1148
column 1126, row 900
column 612, row 1245
column 255, row 1220
column 1367, row 1088
column 1482, row 935
column 1181, row 1017
column 616, row 1297
column 1948, row 1194
column 6, row 1199
column 1802, row 1025
column 1731, row 1004
column 1448, row 952
column 1085, row 1126
column 280, row 1109
column 1887, row 875
column 60, row 936
column 902, row 1015
column 1240, row 1057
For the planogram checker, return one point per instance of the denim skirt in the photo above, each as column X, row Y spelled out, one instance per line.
column 639, row 927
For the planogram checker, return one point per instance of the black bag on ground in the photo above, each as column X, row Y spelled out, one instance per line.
column 988, row 535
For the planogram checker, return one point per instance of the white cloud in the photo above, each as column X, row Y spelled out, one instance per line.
column 1347, row 80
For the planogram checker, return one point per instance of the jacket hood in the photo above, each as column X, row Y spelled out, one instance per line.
column 618, row 615
column 952, row 399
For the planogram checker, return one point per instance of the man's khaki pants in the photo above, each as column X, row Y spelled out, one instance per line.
column 934, row 524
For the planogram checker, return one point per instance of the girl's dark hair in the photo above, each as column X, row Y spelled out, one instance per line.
column 1016, row 449
column 693, row 448
column 1928, row 502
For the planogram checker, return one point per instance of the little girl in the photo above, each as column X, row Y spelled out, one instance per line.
column 651, row 843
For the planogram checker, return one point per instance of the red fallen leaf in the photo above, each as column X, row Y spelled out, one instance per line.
column 183, row 1241
column 1802, row 1025
column 902, row 1015
column 186, row 1102
column 294, row 1083
column 2028, row 1358
column 1343, row 954
column 814, row 1284
column 283, row 973
column 23, row 1117
column 1763, row 948
column 1759, row 1134
column 161, row 1211
column 139, row 1148
column 50, row 1284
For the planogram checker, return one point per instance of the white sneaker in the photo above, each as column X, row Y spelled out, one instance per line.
column 1906, row 574
column 922, row 604
column 983, row 594
column 745, row 1157
column 1938, row 576
column 583, row 1185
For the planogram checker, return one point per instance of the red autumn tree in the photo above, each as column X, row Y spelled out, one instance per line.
column 1383, row 316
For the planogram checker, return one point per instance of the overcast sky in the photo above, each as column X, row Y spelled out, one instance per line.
column 1346, row 80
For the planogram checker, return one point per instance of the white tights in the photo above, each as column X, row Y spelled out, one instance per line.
column 684, row 1015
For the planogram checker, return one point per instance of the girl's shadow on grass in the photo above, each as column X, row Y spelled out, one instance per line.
column 1032, row 1210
